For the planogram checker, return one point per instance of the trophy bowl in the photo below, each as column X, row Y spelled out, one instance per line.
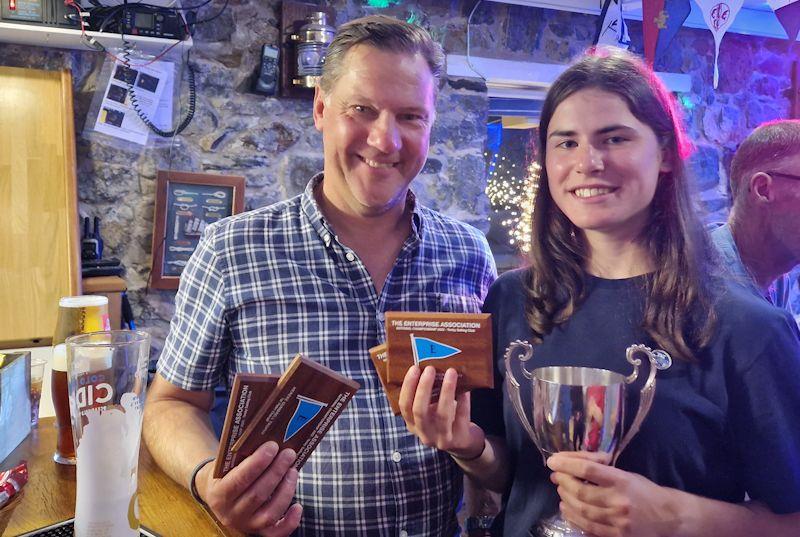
column 579, row 409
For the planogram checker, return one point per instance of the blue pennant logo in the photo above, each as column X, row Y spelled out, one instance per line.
column 307, row 409
column 429, row 349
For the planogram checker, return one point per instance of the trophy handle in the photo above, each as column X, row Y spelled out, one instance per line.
column 658, row 360
column 513, row 385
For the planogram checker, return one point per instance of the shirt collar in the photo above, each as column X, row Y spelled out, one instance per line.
column 722, row 237
column 321, row 226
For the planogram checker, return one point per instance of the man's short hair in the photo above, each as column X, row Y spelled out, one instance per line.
column 384, row 33
column 767, row 145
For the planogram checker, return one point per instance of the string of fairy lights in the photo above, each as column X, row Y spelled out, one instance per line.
column 508, row 192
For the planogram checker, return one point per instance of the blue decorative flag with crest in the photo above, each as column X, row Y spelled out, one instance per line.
column 307, row 409
column 670, row 22
column 429, row 349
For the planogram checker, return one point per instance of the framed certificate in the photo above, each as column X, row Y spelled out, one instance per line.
column 185, row 204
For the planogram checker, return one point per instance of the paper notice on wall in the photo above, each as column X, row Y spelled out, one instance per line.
column 146, row 84
column 163, row 115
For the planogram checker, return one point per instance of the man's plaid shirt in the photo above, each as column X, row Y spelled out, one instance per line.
column 268, row 284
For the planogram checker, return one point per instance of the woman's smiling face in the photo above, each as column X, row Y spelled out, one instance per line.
column 603, row 164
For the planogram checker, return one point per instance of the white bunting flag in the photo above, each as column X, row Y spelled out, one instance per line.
column 612, row 29
column 719, row 16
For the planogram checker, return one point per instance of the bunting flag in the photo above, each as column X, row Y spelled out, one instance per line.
column 307, row 409
column 429, row 349
column 669, row 22
column 611, row 29
column 719, row 15
column 788, row 13
column 652, row 22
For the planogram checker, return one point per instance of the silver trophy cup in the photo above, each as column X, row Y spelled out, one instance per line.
column 579, row 409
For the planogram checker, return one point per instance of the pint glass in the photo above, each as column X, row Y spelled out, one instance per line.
column 65, row 446
column 76, row 315
column 80, row 315
column 107, row 374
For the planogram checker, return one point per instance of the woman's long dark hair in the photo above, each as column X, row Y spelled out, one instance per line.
column 678, row 313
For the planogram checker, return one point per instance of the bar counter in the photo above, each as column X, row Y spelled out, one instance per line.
column 165, row 507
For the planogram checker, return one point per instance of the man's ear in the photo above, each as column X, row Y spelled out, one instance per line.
column 760, row 187
column 319, row 107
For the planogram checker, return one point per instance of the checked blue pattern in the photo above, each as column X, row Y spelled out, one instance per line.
column 268, row 284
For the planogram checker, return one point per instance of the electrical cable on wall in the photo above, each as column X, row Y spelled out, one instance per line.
column 94, row 44
column 469, row 23
column 110, row 17
column 127, row 50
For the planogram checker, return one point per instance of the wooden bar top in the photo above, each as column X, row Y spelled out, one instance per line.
column 165, row 507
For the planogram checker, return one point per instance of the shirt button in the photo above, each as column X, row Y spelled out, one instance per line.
column 381, row 316
column 349, row 256
column 403, row 533
column 397, row 457
column 327, row 239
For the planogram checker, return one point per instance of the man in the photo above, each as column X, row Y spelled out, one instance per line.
column 760, row 243
column 315, row 275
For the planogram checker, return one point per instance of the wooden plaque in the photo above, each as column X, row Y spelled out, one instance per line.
column 250, row 391
column 308, row 399
column 379, row 356
column 462, row 341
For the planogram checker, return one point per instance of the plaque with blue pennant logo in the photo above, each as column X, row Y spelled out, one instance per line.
column 426, row 348
column 304, row 405
column 306, row 410
column 462, row 341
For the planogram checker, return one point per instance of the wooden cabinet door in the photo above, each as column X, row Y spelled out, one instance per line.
column 39, row 243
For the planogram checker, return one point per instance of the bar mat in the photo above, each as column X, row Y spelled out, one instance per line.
column 65, row 529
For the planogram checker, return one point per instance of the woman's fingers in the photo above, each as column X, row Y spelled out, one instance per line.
column 583, row 467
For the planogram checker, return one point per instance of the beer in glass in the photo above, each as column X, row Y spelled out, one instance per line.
column 76, row 315
column 65, row 446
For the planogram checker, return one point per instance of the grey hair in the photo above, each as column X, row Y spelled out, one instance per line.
column 384, row 33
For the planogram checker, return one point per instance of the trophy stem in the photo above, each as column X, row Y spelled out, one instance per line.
column 556, row 526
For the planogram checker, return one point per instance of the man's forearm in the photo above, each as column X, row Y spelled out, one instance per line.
column 178, row 435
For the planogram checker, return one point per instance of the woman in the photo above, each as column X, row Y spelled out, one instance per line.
column 620, row 258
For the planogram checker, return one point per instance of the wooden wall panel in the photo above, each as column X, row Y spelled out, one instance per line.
column 39, row 243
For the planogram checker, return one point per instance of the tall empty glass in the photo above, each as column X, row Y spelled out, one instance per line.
column 107, row 374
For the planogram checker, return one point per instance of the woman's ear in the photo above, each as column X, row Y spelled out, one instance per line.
column 666, row 160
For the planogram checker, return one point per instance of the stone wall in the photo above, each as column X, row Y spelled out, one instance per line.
column 754, row 81
column 753, row 85
column 272, row 141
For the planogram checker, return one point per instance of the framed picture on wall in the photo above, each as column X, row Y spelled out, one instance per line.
column 185, row 204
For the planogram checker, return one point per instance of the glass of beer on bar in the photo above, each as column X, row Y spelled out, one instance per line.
column 65, row 446
column 76, row 315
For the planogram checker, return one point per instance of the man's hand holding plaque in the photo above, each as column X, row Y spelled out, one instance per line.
column 294, row 411
column 461, row 341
